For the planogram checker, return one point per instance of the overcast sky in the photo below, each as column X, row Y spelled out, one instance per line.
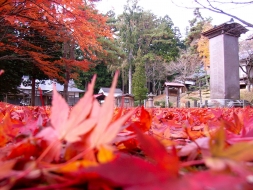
column 179, row 16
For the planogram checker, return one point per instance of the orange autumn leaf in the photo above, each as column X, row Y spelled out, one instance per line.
column 217, row 142
column 105, row 154
column 9, row 128
column 76, row 165
column 166, row 160
column 131, row 144
column 144, row 123
column 29, row 149
column 222, row 153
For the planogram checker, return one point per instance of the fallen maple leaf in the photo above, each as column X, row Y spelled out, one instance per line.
column 69, row 125
column 105, row 131
column 144, row 122
column 167, row 160
column 222, row 153
column 86, row 116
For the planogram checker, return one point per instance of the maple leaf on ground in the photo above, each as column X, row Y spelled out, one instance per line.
column 212, row 180
column 222, row 154
column 105, row 130
column 9, row 128
column 241, row 130
column 67, row 125
column 166, row 160
column 124, row 171
column 144, row 122
column 193, row 149
column 87, row 116
column 27, row 149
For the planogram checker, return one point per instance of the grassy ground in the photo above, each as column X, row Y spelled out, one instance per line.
column 244, row 94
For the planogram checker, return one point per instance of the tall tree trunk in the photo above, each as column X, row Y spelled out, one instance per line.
column 130, row 79
column 33, row 92
column 153, row 82
column 67, row 49
column 66, row 84
column 248, row 86
column 200, row 93
column 123, row 81
column 130, row 58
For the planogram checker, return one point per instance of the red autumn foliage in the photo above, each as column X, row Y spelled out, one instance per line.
column 34, row 30
column 90, row 146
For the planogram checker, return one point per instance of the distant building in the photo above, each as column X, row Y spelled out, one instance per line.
column 127, row 100
column 105, row 91
column 46, row 86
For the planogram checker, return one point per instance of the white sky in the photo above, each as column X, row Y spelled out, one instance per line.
column 180, row 16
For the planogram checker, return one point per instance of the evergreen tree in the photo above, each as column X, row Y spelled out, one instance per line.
column 129, row 33
column 139, row 81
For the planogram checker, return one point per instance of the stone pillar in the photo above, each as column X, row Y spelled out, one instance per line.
column 167, row 101
column 224, row 60
column 150, row 100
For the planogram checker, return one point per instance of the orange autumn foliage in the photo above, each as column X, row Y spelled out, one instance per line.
column 203, row 46
column 35, row 29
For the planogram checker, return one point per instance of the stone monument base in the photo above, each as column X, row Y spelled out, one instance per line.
column 214, row 103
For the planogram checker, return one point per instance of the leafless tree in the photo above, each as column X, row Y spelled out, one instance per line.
column 184, row 66
column 156, row 72
column 246, row 61
column 215, row 6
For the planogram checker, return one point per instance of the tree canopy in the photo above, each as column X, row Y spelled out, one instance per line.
column 23, row 22
column 46, row 33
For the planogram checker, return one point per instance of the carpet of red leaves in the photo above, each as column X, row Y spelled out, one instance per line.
column 177, row 148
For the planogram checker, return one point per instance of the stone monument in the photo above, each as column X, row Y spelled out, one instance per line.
column 224, row 63
column 150, row 102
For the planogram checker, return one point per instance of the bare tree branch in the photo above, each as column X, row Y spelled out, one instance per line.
column 11, row 57
column 200, row 4
column 233, row 2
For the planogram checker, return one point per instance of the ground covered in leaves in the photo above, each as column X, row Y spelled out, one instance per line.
column 90, row 146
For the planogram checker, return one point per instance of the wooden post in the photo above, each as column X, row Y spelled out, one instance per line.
column 206, row 103
column 195, row 103
column 178, row 97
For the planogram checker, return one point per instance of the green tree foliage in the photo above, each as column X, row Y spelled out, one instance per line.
column 197, row 25
column 159, row 45
column 139, row 81
column 104, row 77
column 156, row 38
column 165, row 42
column 129, row 33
